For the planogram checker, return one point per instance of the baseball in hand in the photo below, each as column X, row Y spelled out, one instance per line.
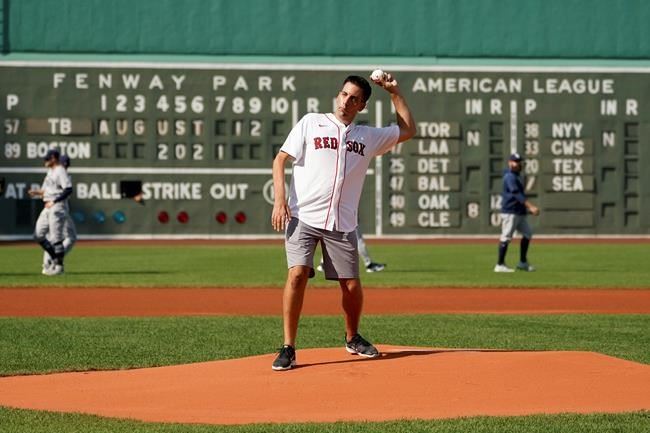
column 378, row 75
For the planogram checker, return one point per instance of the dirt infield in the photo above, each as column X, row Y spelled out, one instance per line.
column 79, row 302
column 404, row 383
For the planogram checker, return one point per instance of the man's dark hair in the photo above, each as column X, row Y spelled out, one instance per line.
column 362, row 83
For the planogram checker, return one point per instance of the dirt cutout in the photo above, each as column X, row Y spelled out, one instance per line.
column 75, row 302
column 404, row 383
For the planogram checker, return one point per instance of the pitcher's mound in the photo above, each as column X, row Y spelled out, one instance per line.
column 332, row 385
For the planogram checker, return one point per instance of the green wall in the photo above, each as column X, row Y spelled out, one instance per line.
column 3, row 24
column 429, row 28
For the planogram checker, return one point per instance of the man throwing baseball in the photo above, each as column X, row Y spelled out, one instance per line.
column 514, row 207
column 330, row 156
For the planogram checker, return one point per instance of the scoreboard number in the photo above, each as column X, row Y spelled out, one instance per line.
column 11, row 126
column 473, row 210
column 12, row 150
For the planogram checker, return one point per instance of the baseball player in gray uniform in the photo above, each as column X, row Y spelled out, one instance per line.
column 330, row 156
column 50, row 225
column 69, row 229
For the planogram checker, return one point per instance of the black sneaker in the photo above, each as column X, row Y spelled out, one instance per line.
column 360, row 346
column 375, row 267
column 286, row 359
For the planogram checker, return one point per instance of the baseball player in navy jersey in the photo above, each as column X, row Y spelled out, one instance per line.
column 514, row 207
column 330, row 156
column 50, row 225
column 69, row 229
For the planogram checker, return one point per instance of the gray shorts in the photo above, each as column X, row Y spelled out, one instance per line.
column 511, row 222
column 340, row 257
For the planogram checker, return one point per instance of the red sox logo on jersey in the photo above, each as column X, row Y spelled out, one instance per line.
column 326, row 143
column 333, row 143
column 356, row 147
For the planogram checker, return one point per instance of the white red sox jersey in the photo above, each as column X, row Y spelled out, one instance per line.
column 56, row 180
column 331, row 160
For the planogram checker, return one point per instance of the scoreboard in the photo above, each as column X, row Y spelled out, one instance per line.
column 201, row 139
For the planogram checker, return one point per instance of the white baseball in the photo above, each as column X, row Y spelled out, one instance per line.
column 378, row 75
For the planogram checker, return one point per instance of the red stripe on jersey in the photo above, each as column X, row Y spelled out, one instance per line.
column 336, row 172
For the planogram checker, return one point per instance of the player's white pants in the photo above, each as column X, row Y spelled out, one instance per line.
column 511, row 223
column 69, row 239
column 50, row 223
column 361, row 245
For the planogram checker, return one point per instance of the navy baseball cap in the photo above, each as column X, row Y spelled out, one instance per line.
column 52, row 153
column 65, row 161
column 515, row 157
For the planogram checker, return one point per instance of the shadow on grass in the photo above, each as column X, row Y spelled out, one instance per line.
column 386, row 356
column 32, row 274
column 417, row 271
column 120, row 273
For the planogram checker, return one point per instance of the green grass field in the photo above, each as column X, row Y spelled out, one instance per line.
column 60, row 344
column 22, row 421
column 39, row 345
column 36, row 345
column 436, row 265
